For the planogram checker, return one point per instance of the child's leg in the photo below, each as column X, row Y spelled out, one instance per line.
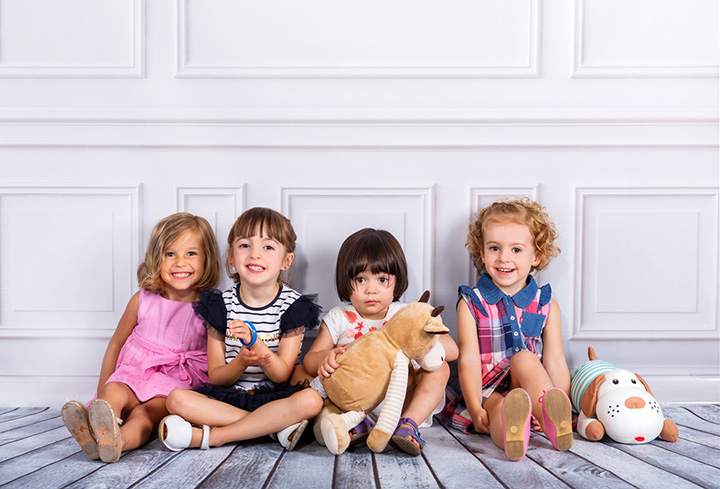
column 141, row 422
column 493, row 406
column 268, row 418
column 421, row 401
column 122, row 399
column 199, row 409
column 527, row 371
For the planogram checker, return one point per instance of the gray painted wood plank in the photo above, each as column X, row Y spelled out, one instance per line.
column 701, row 437
column 354, row 468
column 397, row 470
column 698, row 472
column 6, row 410
column 248, row 465
column 131, row 468
column 28, row 429
column 691, row 449
column 19, row 414
column 187, row 469
column 631, row 469
column 525, row 473
column 309, row 465
column 49, row 467
column 708, row 412
column 32, row 442
column 452, row 463
column 682, row 417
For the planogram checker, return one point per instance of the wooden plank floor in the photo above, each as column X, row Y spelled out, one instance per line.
column 36, row 451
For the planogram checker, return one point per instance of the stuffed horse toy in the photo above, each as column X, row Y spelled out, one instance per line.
column 617, row 402
column 374, row 369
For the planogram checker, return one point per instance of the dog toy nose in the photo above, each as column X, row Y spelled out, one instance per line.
column 634, row 402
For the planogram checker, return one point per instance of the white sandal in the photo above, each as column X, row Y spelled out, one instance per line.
column 283, row 435
column 176, row 433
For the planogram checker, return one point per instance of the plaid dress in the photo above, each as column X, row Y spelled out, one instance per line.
column 506, row 325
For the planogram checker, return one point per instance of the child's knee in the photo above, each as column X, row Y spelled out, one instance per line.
column 311, row 401
column 177, row 401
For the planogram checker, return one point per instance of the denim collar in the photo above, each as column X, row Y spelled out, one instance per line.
column 492, row 294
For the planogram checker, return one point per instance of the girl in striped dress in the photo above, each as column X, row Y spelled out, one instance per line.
column 255, row 331
column 511, row 362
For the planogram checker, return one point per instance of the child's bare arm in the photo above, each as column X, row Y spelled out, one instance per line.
column 280, row 366
column 553, row 354
column 451, row 348
column 321, row 350
column 470, row 367
column 125, row 327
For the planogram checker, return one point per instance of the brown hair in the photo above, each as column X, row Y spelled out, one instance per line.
column 523, row 211
column 260, row 221
column 376, row 250
column 163, row 235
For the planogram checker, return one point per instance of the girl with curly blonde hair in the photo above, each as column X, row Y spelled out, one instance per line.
column 511, row 363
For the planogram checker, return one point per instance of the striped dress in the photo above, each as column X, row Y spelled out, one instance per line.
column 506, row 325
column 287, row 311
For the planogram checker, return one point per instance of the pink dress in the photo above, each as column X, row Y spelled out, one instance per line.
column 166, row 350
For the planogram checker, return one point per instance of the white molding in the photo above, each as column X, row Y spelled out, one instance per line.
column 581, row 69
column 531, row 70
column 682, row 333
column 384, row 130
column 135, row 70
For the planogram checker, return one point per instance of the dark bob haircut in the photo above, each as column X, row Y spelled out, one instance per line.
column 375, row 250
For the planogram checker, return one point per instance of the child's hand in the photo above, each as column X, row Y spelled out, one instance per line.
column 237, row 329
column 329, row 365
column 250, row 358
column 481, row 421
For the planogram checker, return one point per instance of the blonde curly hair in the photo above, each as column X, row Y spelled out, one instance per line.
column 521, row 211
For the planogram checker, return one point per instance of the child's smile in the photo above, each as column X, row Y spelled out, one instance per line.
column 183, row 267
column 509, row 254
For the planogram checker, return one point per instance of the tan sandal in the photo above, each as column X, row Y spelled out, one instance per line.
column 105, row 426
column 75, row 416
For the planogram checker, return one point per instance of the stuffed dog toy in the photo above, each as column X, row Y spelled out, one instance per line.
column 374, row 369
column 617, row 402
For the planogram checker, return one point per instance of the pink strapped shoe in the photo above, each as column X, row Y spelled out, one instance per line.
column 516, row 410
column 557, row 418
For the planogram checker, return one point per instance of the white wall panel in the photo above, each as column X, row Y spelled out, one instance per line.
column 324, row 217
column 647, row 261
column 320, row 38
column 646, row 38
column 72, row 38
column 70, row 255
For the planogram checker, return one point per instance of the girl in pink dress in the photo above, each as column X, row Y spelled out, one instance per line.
column 159, row 344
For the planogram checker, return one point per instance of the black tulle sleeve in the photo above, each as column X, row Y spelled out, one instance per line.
column 210, row 307
column 303, row 312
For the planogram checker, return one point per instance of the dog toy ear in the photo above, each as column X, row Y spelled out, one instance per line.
column 589, row 398
column 647, row 387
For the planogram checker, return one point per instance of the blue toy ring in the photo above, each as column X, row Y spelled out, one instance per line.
column 254, row 335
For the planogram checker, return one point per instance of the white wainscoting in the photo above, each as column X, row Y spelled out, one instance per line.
column 409, row 116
